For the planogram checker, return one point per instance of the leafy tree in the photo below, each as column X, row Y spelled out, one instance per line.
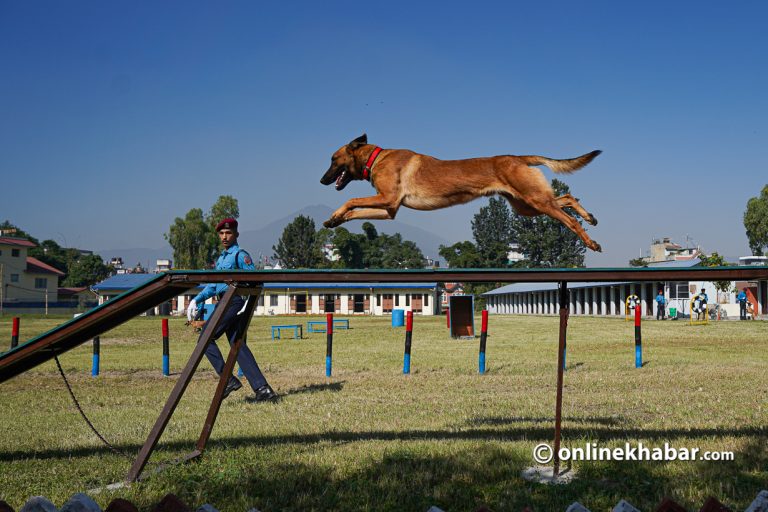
column 394, row 252
column 638, row 262
column 715, row 260
column 373, row 250
column 87, row 270
column 547, row 242
column 298, row 246
column 190, row 239
column 50, row 252
column 492, row 229
column 756, row 222
column 349, row 247
column 461, row 255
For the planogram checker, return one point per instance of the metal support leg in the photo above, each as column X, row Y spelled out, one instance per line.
column 242, row 332
column 560, row 360
column 180, row 387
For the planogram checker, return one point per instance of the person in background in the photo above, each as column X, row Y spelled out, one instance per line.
column 703, row 295
column 741, row 298
column 661, row 302
column 232, row 257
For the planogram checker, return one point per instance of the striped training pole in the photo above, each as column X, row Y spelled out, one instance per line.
column 483, row 336
column 329, row 345
column 638, row 339
column 166, row 349
column 15, row 332
column 96, row 356
column 408, row 338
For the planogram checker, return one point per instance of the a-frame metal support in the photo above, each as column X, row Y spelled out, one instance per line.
column 189, row 370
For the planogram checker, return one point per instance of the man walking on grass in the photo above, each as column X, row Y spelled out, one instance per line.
column 232, row 257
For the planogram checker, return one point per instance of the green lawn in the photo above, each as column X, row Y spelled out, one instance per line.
column 370, row 438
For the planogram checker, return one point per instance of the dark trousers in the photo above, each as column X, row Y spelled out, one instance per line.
column 230, row 325
column 660, row 312
column 743, row 310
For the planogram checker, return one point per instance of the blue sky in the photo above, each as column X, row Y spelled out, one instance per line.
column 116, row 117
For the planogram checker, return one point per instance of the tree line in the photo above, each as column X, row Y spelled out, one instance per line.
column 79, row 269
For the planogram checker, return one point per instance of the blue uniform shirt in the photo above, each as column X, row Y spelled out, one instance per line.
column 741, row 297
column 661, row 300
column 226, row 262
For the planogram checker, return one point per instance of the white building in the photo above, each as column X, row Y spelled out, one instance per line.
column 303, row 298
column 608, row 299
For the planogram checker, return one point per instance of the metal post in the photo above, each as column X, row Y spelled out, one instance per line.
column 15, row 332
column 560, row 366
column 96, row 357
column 638, row 340
column 483, row 336
column 166, row 348
column 329, row 344
column 408, row 338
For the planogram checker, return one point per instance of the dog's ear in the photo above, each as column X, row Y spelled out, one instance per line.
column 360, row 141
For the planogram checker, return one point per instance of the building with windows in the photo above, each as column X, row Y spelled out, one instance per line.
column 608, row 299
column 28, row 285
column 302, row 298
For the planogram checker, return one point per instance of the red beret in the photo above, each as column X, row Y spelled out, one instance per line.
column 228, row 223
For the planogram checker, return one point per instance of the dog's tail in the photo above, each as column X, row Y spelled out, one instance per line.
column 562, row 166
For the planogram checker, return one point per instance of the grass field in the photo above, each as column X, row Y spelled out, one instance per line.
column 370, row 438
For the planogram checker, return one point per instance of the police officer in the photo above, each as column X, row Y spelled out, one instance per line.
column 232, row 257
column 741, row 298
column 661, row 301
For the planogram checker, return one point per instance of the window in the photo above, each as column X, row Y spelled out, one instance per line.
column 407, row 299
column 378, row 299
column 41, row 282
column 273, row 300
column 261, row 300
column 678, row 290
column 426, row 300
column 15, row 253
column 397, row 299
column 14, row 278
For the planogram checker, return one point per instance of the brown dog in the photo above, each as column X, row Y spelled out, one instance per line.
column 421, row 182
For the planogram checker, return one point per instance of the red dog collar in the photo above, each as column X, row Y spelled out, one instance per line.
column 369, row 163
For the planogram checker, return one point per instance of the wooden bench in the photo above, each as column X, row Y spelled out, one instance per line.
column 298, row 330
column 320, row 325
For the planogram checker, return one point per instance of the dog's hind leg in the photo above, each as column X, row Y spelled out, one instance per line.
column 553, row 210
column 568, row 201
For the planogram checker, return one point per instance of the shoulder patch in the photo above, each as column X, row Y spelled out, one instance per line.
column 247, row 259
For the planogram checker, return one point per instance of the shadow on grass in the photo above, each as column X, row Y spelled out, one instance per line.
column 512, row 433
column 408, row 478
column 315, row 388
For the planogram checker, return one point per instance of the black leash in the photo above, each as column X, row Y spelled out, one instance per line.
column 82, row 413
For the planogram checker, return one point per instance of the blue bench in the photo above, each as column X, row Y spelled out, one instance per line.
column 320, row 325
column 298, row 330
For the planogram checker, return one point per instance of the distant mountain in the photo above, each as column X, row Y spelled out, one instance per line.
column 260, row 241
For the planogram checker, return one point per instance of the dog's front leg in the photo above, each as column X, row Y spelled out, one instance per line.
column 374, row 207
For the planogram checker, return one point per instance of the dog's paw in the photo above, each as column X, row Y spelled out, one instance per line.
column 330, row 223
column 596, row 247
column 592, row 219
